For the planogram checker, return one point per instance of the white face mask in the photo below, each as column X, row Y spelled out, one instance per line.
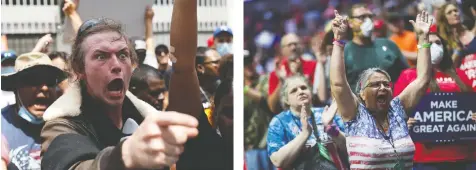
column 367, row 27
column 436, row 52
column 224, row 48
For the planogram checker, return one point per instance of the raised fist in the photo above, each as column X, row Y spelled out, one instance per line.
column 69, row 7
column 340, row 25
column 149, row 13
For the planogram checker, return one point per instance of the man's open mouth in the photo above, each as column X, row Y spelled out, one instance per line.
column 41, row 104
column 116, row 86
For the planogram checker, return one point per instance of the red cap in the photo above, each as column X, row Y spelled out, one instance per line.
column 433, row 28
column 210, row 42
column 378, row 24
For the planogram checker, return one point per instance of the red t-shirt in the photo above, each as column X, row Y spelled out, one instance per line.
column 435, row 152
column 468, row 65
column 308, row 69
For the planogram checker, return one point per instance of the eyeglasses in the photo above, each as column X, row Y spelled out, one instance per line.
column 87, row 25
column 362, row 17
column 378, row 84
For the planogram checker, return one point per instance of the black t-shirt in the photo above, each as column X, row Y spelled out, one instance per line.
column 207, row 151
column 108, row 133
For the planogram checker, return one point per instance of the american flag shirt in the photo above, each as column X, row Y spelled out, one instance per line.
column 23, row 140
column 367, row 147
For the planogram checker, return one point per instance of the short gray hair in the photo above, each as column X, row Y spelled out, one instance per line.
column 283, row 93
column 365, row 75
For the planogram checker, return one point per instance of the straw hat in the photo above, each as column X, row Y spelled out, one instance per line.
column 27, row 64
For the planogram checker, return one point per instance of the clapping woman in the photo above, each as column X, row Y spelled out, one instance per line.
column 293, row 137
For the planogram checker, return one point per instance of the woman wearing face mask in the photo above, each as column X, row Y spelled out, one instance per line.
column 461, row 41
column 445, row 78
column 293, row 138
column 376, row 133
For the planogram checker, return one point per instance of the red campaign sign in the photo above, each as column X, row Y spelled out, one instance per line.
column 468, row 65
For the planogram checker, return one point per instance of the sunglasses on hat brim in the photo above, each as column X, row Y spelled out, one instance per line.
column 34, row 76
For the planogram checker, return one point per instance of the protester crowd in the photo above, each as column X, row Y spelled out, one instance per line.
column 118, row 102
column 333, row 84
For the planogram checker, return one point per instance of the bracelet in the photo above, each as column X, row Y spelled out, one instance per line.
column 426, row 45
column 339, row 42
column 246, row 89
column 332, row 130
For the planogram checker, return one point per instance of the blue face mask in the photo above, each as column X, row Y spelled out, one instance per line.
column 224, row 48
column 8, row 70
column 25, row 114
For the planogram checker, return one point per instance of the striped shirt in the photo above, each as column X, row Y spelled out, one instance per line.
column 367, row 147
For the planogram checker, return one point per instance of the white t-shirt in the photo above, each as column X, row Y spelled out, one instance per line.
column 151, row 60
column 8, row 98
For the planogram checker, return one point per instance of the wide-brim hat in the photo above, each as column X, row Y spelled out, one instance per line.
column 27, row 64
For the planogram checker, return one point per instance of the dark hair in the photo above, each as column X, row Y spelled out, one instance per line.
column 393, row 17
column 225, row 88
column 141, row 54
column 200, row 55
column 446, row 66
column 91, row 27
column 466, row 8
column 141, row 75
column 225, row 70
column 161, row 48
column 58, row 54
column 355, row 6
column 327, row 40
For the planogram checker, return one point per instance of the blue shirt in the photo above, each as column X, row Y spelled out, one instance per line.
column 285, row 126
column 23, row 139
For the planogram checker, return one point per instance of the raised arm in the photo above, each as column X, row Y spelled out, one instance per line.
column 273, row 98
column 149, row 15
column 411, row 95
column 184, row 88
column 43, row 43
column 320, row 79
column 345, row 99
column 69, row 10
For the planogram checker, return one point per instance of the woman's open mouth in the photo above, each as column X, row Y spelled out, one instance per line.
column 382, row 99
column 116, row 87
